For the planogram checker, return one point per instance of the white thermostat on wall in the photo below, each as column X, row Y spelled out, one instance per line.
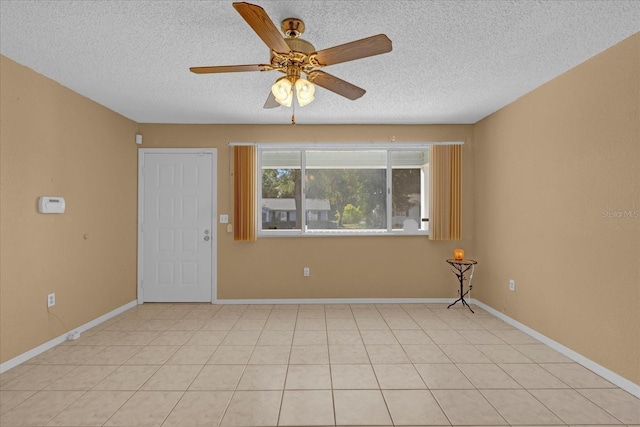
column 51, row 204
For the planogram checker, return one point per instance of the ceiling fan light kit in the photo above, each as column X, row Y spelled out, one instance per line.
column 283, row 88
column 294, row 57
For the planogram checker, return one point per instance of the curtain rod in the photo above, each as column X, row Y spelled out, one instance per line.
column 344, row 144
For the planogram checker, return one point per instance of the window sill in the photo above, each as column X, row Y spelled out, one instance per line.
column 332, row 233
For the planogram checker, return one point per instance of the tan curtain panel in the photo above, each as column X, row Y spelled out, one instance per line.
column 245, row 194
column 445, row 196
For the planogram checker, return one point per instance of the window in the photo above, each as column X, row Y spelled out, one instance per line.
column 346, row 190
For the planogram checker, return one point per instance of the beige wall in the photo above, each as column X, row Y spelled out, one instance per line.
column 548, row 169
column 341, row 267
column 54, row 142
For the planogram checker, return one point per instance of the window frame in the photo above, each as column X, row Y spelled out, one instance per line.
column 303, row 148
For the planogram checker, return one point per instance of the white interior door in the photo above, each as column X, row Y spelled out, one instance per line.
column 176, row 256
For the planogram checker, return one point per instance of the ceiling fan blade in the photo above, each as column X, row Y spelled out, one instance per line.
column 258, row 19
column 336, row 85
column 229, row 68
column 374, row 45
column 271, row 101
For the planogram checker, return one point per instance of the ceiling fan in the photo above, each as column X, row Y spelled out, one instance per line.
column 294, row 57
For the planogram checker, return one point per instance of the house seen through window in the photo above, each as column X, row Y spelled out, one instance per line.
column 343, row 191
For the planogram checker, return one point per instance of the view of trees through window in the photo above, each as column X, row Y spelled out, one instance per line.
column 281, row 192
column 345, row 194
column 357, row 198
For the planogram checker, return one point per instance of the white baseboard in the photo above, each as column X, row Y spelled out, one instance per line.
column 605, row 373
column 338, row 301
column 62, row 338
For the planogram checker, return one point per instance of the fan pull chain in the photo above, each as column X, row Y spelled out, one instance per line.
column 293, row 113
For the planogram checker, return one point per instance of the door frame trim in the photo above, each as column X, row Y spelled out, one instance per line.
column 214, row 213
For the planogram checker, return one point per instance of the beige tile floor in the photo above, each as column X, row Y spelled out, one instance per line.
column 307, row 365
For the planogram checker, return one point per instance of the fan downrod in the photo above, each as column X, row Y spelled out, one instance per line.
column 292, row 27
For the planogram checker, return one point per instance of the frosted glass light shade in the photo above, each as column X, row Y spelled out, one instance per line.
column 287, row 102
column 304, row 92
column 282, row 91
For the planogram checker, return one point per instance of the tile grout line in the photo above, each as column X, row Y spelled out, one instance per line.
column 425, row 383
column 386, row 404
column 233, row 392
column 286, row 373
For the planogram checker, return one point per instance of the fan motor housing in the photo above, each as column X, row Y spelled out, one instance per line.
column 300, row 45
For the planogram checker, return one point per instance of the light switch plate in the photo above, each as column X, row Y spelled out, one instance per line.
column 224, row 219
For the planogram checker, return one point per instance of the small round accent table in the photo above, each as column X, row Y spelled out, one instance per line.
column 461, row 266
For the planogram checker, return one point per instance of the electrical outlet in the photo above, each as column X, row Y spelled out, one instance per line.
column 512, row 285
column 306, row 272
column 51, row 300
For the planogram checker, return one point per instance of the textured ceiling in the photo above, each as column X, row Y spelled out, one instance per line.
column 453, row 61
